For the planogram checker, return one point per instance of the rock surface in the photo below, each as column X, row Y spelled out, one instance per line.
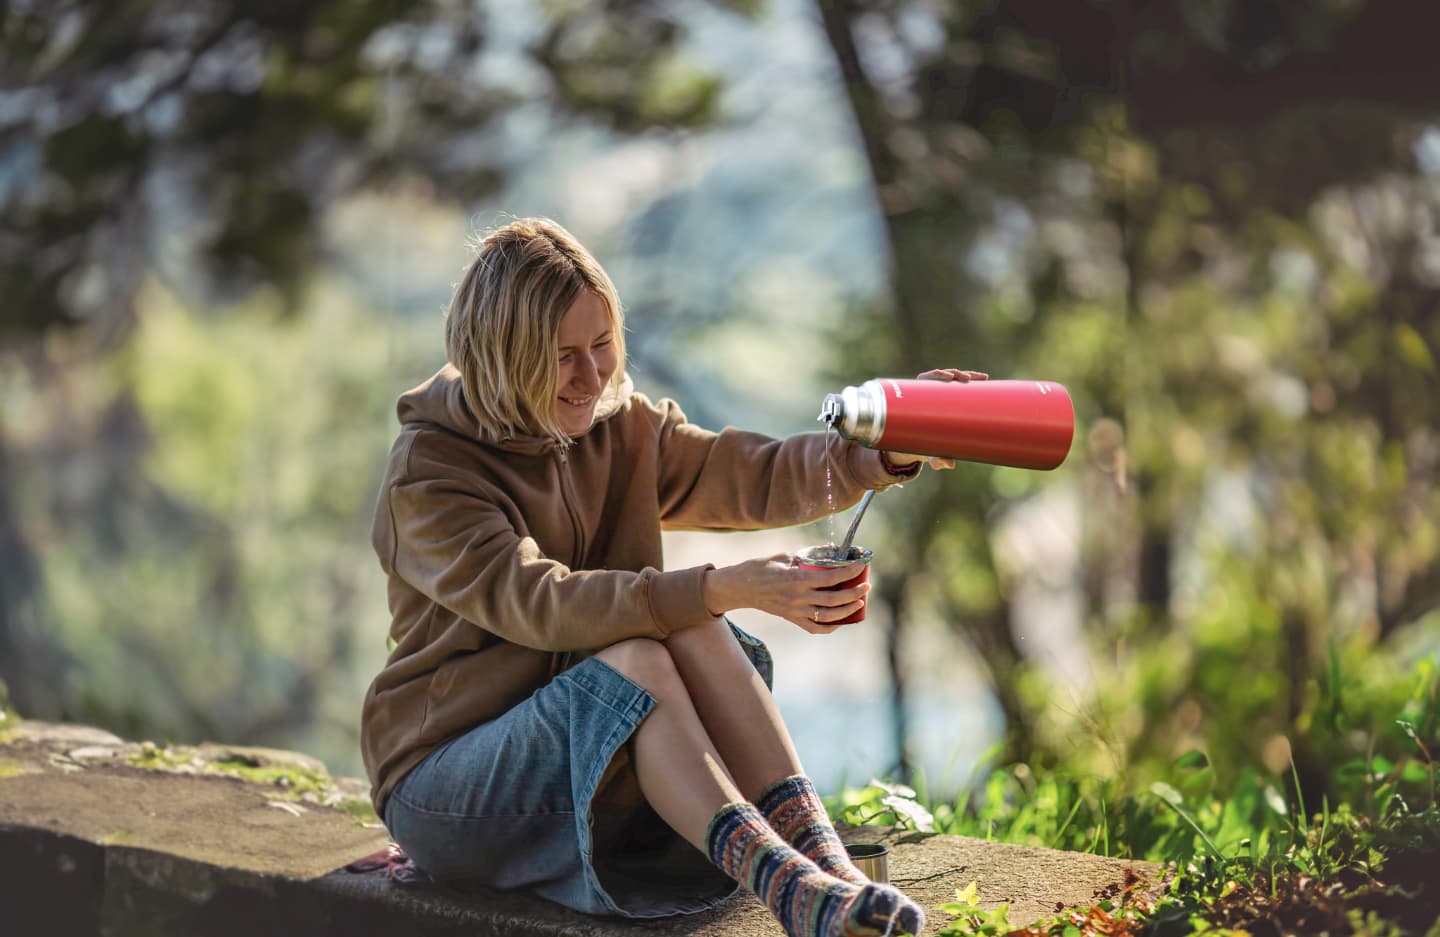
column 93, row 844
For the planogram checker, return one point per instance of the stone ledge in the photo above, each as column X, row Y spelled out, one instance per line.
column 92, row 845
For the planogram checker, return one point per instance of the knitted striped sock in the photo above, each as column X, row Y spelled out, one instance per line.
column 794, row 809
column 806, row 901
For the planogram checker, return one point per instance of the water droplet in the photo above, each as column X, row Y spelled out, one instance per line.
column 829, row 485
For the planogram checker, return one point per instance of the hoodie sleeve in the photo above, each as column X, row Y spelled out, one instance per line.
column 738, row 480
column 460, row 551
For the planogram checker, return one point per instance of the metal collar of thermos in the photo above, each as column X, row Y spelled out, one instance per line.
column 857, row 413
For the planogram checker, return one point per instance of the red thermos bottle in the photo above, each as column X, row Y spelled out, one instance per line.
column 1026, row 424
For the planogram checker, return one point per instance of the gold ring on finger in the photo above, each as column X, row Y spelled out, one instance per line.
column 815, row 616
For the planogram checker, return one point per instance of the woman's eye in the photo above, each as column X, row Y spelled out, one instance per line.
column 602, row 343
column 566, row 359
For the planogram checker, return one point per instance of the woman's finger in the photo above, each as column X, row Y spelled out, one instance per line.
column 829, row 616
column 823, row 620
column 821, row 612
column 830, row 576
column 833, row 598
column 952, row 374
column 825, row 602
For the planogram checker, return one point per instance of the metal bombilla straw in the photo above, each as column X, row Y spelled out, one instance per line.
column 843, row 551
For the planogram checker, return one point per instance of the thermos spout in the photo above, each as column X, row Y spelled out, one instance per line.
column 856, row 413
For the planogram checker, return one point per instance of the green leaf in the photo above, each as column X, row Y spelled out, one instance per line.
column 1192, row 760
column 899, row 790
column 1412, row 347
column 1167, row 793
column 1414, row 773
column 1424, row 673
column 1353, row 770
column 923, row 820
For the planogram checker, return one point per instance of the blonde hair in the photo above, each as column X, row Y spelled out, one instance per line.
column 502, row 326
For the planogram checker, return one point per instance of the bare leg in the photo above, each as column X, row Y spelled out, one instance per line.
column 681, row 774
column 735, row 707
column 741, row 718
column 686, row 782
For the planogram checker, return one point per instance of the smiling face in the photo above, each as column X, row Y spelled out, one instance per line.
column 537, row 332
column 588, row 357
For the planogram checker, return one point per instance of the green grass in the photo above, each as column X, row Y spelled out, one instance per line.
column 289, row 782
column 10, row 768
column 1243, row 854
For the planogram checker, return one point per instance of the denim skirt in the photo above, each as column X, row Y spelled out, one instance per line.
column 544, row 798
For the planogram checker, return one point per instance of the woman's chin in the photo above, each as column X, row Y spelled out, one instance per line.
column 575, row 428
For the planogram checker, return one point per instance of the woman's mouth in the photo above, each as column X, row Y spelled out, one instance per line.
column 578, row 401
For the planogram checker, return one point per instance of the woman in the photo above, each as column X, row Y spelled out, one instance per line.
column 558, row 714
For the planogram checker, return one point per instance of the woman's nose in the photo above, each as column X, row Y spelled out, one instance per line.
column 587, row 374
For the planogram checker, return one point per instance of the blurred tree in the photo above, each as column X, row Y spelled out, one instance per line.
column 242, row 122
column 1165, row 205
column 206, row 142
column 1208, row 220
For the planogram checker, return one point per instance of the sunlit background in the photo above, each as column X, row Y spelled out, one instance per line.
column 228, row 236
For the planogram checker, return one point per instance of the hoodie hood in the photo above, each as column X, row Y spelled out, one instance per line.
column 441, row 401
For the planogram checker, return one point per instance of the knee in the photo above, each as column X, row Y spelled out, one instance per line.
column 715, row 632
column 646, row 662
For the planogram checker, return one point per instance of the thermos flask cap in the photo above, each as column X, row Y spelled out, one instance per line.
column 858, row 412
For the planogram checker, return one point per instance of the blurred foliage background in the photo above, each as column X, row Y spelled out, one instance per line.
column 227, row 232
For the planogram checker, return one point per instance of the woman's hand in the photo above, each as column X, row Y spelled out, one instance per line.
column 903, row 459
column 776, row 585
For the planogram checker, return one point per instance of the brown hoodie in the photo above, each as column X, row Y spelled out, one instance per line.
column 505, row 555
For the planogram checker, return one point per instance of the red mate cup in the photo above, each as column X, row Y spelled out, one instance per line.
column 1025, row 424
column 822, row 557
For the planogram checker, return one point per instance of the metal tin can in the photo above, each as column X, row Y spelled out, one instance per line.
column 1025, row 424
column 872, row 859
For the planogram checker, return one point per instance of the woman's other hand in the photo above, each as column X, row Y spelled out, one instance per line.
column 903, row 459
column 952, row 374
column 776, row 585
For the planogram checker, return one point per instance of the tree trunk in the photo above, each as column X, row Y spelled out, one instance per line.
column 893, row 591
column 1153, row 572
column 29, row 665
column 928, row 285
